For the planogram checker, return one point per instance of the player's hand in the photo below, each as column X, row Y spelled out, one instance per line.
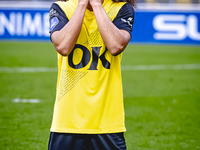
column 80, row 1
column 95, row 2
column 84, row 2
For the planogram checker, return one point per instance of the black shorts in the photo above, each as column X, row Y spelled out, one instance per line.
column 70, row 141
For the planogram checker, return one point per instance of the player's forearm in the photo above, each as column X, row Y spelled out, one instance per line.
column 114, row 39
column 65, row 39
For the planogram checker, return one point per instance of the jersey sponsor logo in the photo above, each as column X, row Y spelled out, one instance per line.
column 53, row 23
column 86, row 57
column 127, row 21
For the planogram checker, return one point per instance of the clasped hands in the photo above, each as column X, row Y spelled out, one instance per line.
column 91, row 2
column 88, row 2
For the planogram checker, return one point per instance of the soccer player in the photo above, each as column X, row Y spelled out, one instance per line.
column 89, row 36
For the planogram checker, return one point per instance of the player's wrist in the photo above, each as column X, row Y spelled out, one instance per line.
column 83, row 4
column 96, row 5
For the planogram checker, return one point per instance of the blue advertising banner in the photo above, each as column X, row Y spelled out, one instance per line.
column 167, row 27
column 24, row 24
column 150, row 26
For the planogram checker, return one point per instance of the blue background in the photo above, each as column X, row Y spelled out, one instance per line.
column 143, row 29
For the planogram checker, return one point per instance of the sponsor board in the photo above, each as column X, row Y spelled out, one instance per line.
column 24, row 24
column 150, row 26
column 167, row 27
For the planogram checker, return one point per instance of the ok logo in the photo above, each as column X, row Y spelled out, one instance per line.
column 87, row 56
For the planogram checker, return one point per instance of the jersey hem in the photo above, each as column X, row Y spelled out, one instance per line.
column 89, row 131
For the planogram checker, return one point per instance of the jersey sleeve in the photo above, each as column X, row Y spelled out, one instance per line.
column 57, row 18
column 125, row 18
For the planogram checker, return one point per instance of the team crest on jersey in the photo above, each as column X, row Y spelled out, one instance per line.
column 53, row 12
column 53, row 23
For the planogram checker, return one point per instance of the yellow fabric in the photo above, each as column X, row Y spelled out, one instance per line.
column 89, row 98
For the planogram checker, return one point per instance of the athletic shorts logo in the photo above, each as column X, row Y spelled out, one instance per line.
column 53, row 23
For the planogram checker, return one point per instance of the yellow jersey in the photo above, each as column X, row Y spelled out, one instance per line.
column 89, row 96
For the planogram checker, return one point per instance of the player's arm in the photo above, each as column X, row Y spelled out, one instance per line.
column 65, row 39
column 114, row 38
